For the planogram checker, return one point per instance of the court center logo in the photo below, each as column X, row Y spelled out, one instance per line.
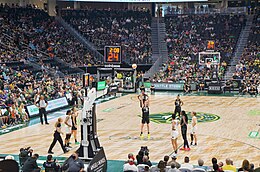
column 166, row 118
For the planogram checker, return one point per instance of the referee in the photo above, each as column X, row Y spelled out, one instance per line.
column 42, row 105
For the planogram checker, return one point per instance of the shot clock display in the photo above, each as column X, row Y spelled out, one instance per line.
column 112, row 54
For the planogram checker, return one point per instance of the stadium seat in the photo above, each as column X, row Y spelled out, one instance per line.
column 154, row 169
column 198, row 170
column 185, row 170
column 49, row 169
column 141, row 167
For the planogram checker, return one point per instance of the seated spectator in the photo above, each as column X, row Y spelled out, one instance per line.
column 253, row 90
column 7, row 115
column 228, row 86
column 166, row 159
column 23, row 114
column 76, row 164
column 146, row 161
column 229, row 166
column 161, row 166
column 130, row 166
column 186, row 164
column 173, row 168
column 30, row 164
column 51, row 164
column 131, row 156
column 220, row 165
column 215, row 166
column 201, row 165
column 173, row 161
column 242, row 88
column 187, row 88
column 246, row 167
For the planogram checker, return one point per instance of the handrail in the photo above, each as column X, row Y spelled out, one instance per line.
column 87, row 44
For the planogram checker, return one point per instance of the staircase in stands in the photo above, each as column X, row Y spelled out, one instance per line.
column 90, row 46
column 241, row 44
column 159, row 46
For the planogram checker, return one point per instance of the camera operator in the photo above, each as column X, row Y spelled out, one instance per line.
column 144, row 151
column 30, row 164
column 25, row 153
column 51, row 164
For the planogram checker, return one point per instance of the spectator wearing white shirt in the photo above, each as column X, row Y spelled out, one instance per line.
column 186, row 164
column 130, row 166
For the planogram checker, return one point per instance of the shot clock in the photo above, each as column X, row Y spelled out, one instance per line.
column 112, row 54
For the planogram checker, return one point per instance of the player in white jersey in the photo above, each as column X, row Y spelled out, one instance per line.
column 175, row 133
column 68, row 125
column 193, row 132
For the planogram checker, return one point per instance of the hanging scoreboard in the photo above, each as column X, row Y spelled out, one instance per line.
column 112, row 55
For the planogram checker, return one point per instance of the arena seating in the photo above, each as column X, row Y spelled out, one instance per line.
column 249, row 65
column 170, row 166
column 187, row 35
column 19, row 88
column 129, row 29
column 31, row 34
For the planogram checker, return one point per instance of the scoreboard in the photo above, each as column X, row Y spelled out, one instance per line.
column 112, row 54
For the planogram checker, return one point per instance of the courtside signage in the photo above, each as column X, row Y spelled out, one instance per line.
column 52, row 104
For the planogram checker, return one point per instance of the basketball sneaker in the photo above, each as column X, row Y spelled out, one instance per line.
column 141, row 136
column 187, row 149
column 148, row 136
column 182, row 148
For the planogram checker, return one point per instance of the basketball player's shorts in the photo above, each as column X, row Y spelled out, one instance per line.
column 193, row 130
column 73, row 127
column 146, row 120
column 68, row 135
column 68, row 130
column 175, row 134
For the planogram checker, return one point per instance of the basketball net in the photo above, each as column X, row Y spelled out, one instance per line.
column 208, row 64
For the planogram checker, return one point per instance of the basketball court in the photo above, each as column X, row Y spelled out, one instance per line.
column 228, row 127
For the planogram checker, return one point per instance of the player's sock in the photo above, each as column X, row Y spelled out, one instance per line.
column 191, row 135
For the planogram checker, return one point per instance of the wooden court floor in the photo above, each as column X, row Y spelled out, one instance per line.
column 119, row 128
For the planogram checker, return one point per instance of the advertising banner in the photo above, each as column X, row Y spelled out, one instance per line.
column 101, row 85
column 171, row 86
column 52, row 105
column 99, row 162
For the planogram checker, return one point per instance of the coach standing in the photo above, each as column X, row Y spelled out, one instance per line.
column 42, row 105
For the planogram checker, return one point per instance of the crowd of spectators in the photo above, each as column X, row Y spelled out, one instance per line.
column 126, row 28
column 28, row 163
column 187, row 35
column 249, row 66
column 32, row 30
column 21, row 88
column 171, row 164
